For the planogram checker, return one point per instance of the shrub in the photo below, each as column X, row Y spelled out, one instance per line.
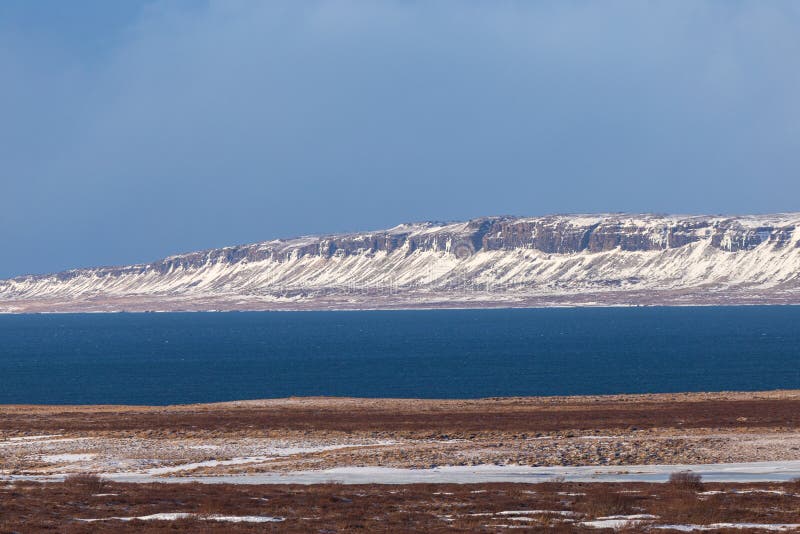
column 686, row 481
column 88, row 482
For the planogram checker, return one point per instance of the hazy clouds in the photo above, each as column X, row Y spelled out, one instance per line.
column 182, row 125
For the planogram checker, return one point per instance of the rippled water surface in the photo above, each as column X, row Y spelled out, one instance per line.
column 202, row 357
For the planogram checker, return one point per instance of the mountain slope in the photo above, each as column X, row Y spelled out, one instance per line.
column 554, row 260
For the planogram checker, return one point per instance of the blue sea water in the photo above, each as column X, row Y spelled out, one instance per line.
column 202, row 357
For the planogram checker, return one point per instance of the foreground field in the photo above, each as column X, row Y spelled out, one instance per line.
column 85, row 506
column 554, row 449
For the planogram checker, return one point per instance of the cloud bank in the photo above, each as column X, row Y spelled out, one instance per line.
column 203, row 124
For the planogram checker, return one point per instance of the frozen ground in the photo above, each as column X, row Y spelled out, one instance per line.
column 725, row 437
column 495, row 457
column 738, row 472
column 742, row 472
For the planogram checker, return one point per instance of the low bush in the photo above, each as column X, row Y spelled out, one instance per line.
column 88, row 482
column 685, row 481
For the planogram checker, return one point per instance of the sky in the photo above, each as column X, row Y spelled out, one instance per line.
column 134, row 130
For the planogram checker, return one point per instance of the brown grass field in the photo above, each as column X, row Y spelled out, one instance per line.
column 440, row 431
column 458, row 417
column 326, row 508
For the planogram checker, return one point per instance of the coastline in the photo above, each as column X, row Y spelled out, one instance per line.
column 522, row 304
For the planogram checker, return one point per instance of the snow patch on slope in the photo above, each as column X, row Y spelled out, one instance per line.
column 454, row 262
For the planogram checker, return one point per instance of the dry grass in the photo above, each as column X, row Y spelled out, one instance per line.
column 34, row 507
column 609, row 503
column 87, row 482
column 419, row 417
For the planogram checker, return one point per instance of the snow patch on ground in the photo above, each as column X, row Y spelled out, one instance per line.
column 164, row 516
column 45, row 439
column 245, row 518
column 716, row 526
column 538, row 512
column 272, row 454
column 208, row 463
column 66, row 458
column 174, row 516
column 39, row 437
column 734, row 472
column 618, row 521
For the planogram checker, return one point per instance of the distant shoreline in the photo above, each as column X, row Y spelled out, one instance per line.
column 415, row 308
column 374, row 402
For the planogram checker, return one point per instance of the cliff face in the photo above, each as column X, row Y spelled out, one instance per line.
column 597, row 259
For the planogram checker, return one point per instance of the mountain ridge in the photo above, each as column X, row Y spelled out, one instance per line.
column 603, row 259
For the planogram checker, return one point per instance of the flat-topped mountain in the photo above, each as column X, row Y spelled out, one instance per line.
column 614, row 259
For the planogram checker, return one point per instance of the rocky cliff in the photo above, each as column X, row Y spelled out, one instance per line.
column 492, row 261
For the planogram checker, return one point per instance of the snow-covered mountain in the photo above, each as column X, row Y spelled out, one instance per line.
column 493, row 261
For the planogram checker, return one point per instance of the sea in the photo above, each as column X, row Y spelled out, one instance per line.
column 175, row 358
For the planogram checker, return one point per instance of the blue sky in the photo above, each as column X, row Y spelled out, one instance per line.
column 133, row 130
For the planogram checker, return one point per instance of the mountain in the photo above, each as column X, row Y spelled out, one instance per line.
column 493, row 261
